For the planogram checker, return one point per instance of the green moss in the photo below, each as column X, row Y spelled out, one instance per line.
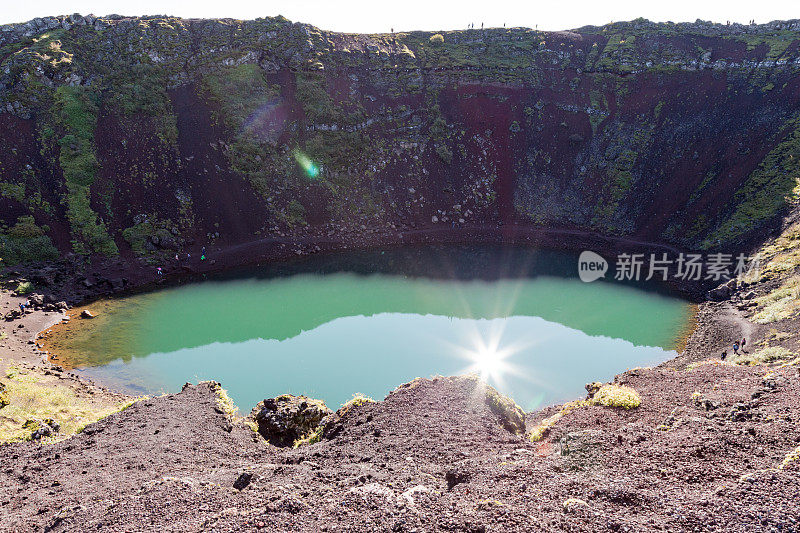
column 141, row 89
column 312, row 438
column 150, row 228
column 318, row 105
column 236, row 92
column 295, row 214
column 599, row 109
column 436, row 39
column 769, row 190
column 619, row 53
column 26, row 242
column 775, row 44
column 617, row 396
column 75, row 111
column 24, row 287
column 770, row 354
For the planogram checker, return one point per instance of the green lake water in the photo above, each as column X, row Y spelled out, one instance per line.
column 521, row 318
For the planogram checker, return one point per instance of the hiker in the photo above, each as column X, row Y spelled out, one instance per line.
column 22, row 307
column 177, row 258
column 744, row 341
column 203, row 251
column 724, row 354
column 202, row 257
column 158, row 271
column 735, row 347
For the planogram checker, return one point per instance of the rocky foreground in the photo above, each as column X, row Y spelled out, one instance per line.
column 710, row 449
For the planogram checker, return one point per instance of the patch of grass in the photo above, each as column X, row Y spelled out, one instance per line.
column 769, row 190
column 140, row 88
column 617, row 396
column 775, row 336
column 356, row 401
column 295, row 214
column 24, row 287
column 224, row 402
column 26, row 242
column 75, row 111
column 790, row 458
column 771, row 354
column 318, row 105
column 437, row 39
column 31, row 399
column 574, row 502
column 237, row 92
column 537, row 433
column 609, row 395
column 312, row 438
column 780, row 304
column 793, row 362
column 775, row 43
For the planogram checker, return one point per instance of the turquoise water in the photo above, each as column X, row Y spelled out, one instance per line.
column 538, row 337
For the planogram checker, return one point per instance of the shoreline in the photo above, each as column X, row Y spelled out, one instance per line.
column 53, row 356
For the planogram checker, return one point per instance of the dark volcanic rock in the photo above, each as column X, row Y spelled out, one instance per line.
column 287, row 418
column 243, row 480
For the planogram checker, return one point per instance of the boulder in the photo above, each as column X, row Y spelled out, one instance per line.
column 287, row 418
column 722, row 292
column 42, row 428
column 87, row 314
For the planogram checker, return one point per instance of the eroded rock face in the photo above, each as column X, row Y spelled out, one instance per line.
column 285, row 419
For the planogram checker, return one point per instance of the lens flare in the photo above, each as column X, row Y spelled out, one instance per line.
column 488, row 359
column 488, row 363
column 309, row 167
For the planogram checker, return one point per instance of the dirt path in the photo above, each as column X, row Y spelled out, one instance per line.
column 732, row 316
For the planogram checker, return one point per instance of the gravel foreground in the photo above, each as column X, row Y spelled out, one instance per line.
column 707, row 450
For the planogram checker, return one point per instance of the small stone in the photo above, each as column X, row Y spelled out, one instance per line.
column 243, row 480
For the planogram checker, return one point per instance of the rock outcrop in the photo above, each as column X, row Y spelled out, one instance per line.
column 287, row 418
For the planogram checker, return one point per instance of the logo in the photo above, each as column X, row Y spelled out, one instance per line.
column 591, row 266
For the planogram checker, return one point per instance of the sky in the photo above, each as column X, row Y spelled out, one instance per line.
column 376, row 16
